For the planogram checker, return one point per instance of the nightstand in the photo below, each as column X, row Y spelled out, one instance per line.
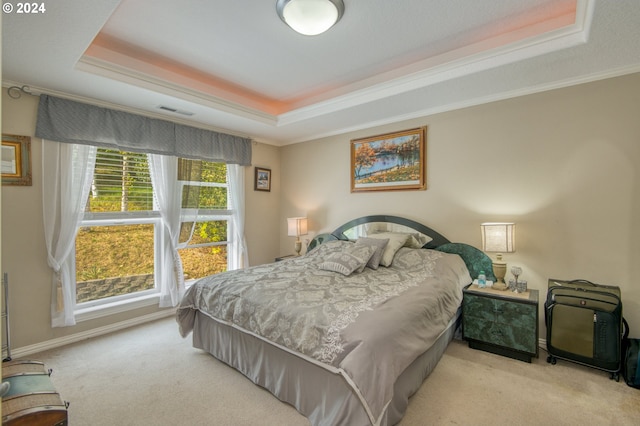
column 501, row 322
column 285, row 257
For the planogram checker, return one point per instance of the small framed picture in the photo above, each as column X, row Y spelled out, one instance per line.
column 16, row 160
column 262, row 180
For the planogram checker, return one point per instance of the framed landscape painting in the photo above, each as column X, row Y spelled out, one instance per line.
column 393, row 161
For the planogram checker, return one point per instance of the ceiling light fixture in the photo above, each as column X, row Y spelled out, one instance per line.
column 310, row 17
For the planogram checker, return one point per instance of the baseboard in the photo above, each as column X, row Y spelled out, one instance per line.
column 66, row 340
column 542, row 343
column 77, row 337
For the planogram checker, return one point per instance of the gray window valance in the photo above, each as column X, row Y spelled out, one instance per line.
column 62, row 120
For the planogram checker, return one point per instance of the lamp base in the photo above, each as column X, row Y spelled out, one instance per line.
column 298, row 247
column 499, row 270
column 499, row 286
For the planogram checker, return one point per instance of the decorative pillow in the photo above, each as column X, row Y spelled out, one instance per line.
column 379, row 245
column 417, row 240
column 351, row 259
column 396, row 241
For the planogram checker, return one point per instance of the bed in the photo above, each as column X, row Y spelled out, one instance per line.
column 347, row 332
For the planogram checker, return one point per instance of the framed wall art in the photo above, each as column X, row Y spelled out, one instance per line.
column 262, row 179
column 16, row 160
column 393, row 161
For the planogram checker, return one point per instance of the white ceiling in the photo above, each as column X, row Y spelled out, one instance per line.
column 236, row 67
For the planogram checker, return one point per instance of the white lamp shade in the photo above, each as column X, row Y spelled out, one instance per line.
column 296, row 226
column 498, row 237
column 310, row 17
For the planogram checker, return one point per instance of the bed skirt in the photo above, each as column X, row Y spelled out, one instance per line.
column 323, row 396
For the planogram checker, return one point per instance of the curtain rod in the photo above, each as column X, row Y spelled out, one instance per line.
column 15, row 92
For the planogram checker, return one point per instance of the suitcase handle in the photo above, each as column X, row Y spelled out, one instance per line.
column 603, row 293
column 579, row 281
column 582, row 282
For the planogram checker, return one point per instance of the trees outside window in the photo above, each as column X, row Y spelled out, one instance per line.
column 206, row 218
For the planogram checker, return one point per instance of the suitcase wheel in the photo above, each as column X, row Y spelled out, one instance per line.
column 551, row 360
column 615, row 376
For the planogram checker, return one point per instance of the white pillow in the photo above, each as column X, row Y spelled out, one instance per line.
column 396, row 242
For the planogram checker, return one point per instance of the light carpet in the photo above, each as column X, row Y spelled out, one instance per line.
column 149, row 375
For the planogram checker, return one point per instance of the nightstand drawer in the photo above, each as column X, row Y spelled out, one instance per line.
column 505, row 312
column 478, row 307
column 500, row 334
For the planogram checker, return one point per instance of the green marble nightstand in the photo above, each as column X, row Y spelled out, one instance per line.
column 501, row 322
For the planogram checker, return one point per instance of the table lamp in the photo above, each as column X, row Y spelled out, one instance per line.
column 498, row 237
column 297, row 226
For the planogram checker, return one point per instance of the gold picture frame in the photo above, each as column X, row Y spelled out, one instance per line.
column 16, row 160
column 389, row 162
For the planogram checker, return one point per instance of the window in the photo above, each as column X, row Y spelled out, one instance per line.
column 115, row 245
column 206, row 218
column 116, row 251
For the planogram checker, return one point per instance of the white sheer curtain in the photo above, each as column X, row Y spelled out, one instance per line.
column 167, row 193
column 235, row 179
column 67, row 173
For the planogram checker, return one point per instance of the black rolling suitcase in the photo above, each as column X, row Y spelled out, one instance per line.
column 584, row 324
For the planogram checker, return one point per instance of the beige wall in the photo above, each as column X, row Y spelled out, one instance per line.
column 24, row 253
column 562, row 164
column 263, row 208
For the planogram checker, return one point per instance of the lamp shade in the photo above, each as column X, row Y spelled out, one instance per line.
column 498, row 237
column 296, row 226
column 310, row 17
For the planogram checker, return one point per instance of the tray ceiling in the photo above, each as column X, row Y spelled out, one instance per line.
column 235, row 66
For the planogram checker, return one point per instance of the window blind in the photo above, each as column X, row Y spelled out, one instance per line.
column 121, row 182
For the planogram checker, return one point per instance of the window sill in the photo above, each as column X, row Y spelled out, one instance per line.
column 93, row 312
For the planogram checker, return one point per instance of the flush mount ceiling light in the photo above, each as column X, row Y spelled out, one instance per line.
column 310, row 17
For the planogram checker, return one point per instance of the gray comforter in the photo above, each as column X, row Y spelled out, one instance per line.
column 368, row 326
